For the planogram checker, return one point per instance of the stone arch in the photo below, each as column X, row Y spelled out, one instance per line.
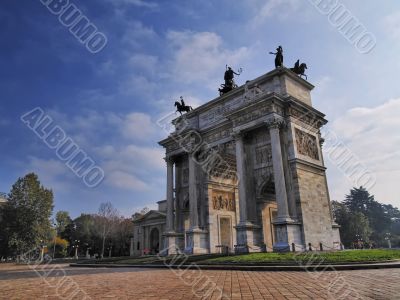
column 266, row 190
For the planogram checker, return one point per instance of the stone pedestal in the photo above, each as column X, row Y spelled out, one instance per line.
column 197, row 241
column 286, row 235
column 248, row 237
column 174, row 243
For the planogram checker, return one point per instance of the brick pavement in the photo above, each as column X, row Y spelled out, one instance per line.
column 63, row 282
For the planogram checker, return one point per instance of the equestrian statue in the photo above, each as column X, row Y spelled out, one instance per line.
column 182, row 107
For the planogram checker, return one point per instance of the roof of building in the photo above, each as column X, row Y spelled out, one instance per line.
column 3, row 197
column 151, row 213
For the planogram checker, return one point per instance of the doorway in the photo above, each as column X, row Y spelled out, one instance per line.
column 154, row 241
column 225, row 232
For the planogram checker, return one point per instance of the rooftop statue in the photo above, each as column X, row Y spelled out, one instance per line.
column 182, row 107
column 278, row 57
column 229, row 84
column 299, row 69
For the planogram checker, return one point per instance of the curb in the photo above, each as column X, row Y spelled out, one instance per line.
column 299, row 268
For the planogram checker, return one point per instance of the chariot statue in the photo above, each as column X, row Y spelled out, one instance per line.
column 229, row 84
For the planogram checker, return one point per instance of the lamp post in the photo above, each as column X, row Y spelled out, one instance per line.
column 76, row 246
column 42, row 246
column 55, row 239
column 87, row 250
column 387, row 237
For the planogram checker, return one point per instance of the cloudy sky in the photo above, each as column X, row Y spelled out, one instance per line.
column 109, row 102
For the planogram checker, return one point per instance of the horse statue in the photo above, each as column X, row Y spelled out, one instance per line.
column 182, row 107
column 299, row 69
column 226, row 88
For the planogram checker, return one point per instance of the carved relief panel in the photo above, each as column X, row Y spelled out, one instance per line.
column 307, row 144
column 222, row 200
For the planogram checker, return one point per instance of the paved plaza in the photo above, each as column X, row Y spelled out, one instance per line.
column 64, row 282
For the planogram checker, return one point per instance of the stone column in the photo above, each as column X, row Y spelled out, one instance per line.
column 241, row 169
column 287, row 231
column 279, row 177
column 178, row 200
column 196, row 236
column 193, row 193
column 170, row 195
column 248, row 239
column 171, row 238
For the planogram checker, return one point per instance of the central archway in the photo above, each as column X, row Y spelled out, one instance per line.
column 154, row 241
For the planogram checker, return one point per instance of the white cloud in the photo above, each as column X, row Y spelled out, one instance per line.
column 139, row 3
column 391, row 25
column 276, row 8
column 372, row 136
column 136, row 32
column 124, row 180
column 144, row 62
column 50, row 172
column 201, row 56
column 138, row 85
column 131, row 166
column 138, row 126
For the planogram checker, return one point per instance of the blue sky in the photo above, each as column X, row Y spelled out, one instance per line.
column 109, row 102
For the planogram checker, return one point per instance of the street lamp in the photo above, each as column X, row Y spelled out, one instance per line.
column 55, row 239
column 76, row 246
column 387, row 237
column 87, row 250
column 42, row 246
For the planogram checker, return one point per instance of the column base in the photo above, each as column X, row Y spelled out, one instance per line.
column 173, row 243
column 197, row 241
column 288, row 237
column 248, row 238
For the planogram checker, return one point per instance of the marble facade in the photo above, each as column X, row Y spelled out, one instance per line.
column 245, row 172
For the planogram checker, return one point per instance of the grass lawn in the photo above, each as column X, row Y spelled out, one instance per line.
column 338, row 257
column 346, row 256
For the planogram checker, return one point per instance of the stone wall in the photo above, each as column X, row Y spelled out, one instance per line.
column 315, row 208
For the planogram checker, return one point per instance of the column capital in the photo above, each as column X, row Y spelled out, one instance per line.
column 276, row 123
column 169, row 159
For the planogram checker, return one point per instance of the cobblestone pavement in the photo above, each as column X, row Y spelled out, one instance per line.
column 63, row 282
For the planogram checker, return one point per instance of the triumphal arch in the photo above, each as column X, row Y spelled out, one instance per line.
column 245, row 172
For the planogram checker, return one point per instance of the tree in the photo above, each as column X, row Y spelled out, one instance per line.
column 29, row 208
column 106, row 219
column 379, row 216
column 62, row 221
column 358, row 228
column 354, row 225
column 121, row 236
column 60, row 245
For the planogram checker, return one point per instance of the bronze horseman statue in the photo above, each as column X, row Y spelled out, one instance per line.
column 182, row 107
column 229, row 84
column 278, row 57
